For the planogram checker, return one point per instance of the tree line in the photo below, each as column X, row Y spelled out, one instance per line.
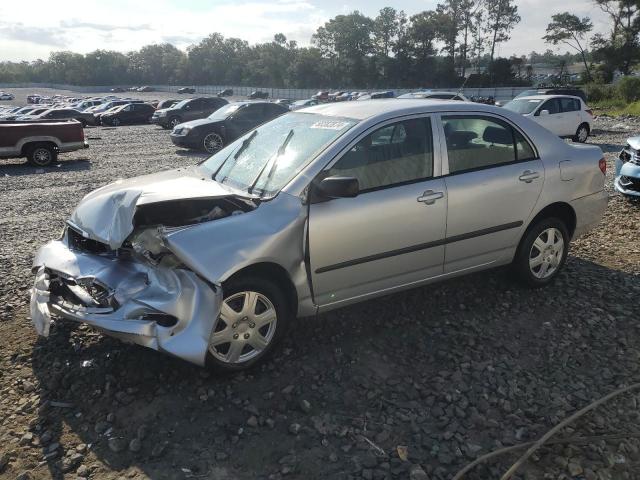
column 456, row 42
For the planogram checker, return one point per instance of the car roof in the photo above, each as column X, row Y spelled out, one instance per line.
column 547, row 97
column 364, row 109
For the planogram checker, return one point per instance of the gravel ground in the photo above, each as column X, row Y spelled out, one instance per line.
column 449, row 371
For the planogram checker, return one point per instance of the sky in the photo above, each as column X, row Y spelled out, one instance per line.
column 32, row 29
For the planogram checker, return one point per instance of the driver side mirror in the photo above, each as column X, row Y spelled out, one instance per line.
column 337, row 187
column 544, row 113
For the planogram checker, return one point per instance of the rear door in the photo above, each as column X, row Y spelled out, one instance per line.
column 493, row 180
column 193, row 110
column 571, row 112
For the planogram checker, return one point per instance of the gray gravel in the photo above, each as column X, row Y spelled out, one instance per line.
column 449, row 371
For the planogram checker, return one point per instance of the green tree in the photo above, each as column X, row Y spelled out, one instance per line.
column 502, row 16
column 621, row 48
column 570, row 30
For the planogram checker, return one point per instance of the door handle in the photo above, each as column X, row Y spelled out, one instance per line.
column 429, row 197
column 528, row 176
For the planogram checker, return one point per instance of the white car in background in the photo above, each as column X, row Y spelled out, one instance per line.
column 6, row 96
column 564, row 115
column 427, row 94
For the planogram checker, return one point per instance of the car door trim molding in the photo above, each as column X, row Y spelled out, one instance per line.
column 420, row 246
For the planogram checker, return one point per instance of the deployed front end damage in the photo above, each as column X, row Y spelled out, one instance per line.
column 112, row 269
column 158, row 306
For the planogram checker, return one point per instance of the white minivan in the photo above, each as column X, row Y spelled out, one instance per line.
column 564, row 115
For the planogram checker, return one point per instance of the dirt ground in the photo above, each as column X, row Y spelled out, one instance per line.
column 449, row 371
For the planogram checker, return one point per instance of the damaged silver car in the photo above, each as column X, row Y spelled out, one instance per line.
column 627, row 175
column 317, row 209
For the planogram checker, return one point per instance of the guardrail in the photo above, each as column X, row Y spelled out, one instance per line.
column 499, row 93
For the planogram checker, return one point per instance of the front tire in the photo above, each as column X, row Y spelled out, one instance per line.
column 174, row 122
column 253, row 318
column 542, row 253
column 582, row 133
column 212, row 142
column 115, row 122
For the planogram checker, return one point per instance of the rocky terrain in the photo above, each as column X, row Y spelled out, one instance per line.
column 414, row 385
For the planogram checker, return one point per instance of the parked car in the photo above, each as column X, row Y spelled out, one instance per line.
column 627, row 174
column 40, row 142
column 187, row 90
column 332, row 97
column 34, row 98
column 258, row 94
column 30, row 115
column 310, row 102
column 283, row 101
column 227, row 92
column 321, row 96
column 166, row 104
column 85, row 104
column 103, row 108
column 565, row 116
column 130, row 114
column 16, row 113
column 186, row 110
column 225, row 125
column 6, row 96
column 313, row 211
column 117, row 90
column 146, row 88
column 574, row 92
column 435, row 95
column 66, row 114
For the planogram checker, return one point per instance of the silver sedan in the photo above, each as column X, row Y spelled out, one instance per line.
column 320, row 208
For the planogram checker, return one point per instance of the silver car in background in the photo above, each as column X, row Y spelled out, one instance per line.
column 320, row 208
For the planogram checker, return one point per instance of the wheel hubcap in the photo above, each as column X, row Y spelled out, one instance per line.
column 42, row 156
column 174, row 122
column 582, row 134
column 546, row 253
column 212, row 142
column 245, row 327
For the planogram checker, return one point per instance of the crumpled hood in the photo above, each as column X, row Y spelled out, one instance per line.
column 106, row 214
column 634, row 142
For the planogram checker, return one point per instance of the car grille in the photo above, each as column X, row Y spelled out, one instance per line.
column 630, row 155
column 630, row 183
column 78, row 242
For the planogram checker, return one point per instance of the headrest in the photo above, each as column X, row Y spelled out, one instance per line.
column 497, row 135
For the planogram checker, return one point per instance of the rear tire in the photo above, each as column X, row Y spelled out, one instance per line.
column 241, row 326
column 42, row 154
column 582, row 133
column 542, row 253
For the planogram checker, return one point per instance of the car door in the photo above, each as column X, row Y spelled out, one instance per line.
column 493, row 180
column 571, row 110
column 554, row 121
column 391, row 234
column 245, row 119
column 193, row 110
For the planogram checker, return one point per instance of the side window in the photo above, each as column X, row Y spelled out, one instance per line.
column 551, row 105
column 523, row 148
column 398, row 153
column 569, row 105
column 477, row 142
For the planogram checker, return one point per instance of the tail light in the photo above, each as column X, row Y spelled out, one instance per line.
column 589, row 111
column 602, row 164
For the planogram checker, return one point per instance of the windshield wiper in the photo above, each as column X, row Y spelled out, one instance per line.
column 272, row 162
column 243, row 147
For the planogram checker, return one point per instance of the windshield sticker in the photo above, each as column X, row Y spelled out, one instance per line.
column 330, row 125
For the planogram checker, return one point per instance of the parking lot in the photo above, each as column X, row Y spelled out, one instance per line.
column 450, row 371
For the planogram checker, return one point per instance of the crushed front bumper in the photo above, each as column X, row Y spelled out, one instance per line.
column 168, row 309
column 627, row 177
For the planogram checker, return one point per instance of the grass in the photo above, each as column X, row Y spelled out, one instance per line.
column 615, row 107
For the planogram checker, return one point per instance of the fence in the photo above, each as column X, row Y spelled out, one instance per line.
column 499, row 93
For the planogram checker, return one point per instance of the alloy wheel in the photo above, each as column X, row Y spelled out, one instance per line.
column 174, row 122
column 42, row 157
column 546, row 253
column 213, row 142
column 245, row 328
column 583, row 134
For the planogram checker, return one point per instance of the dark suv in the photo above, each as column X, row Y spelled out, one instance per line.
column 131, row 114
column 225, row 125
column 190, row 109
